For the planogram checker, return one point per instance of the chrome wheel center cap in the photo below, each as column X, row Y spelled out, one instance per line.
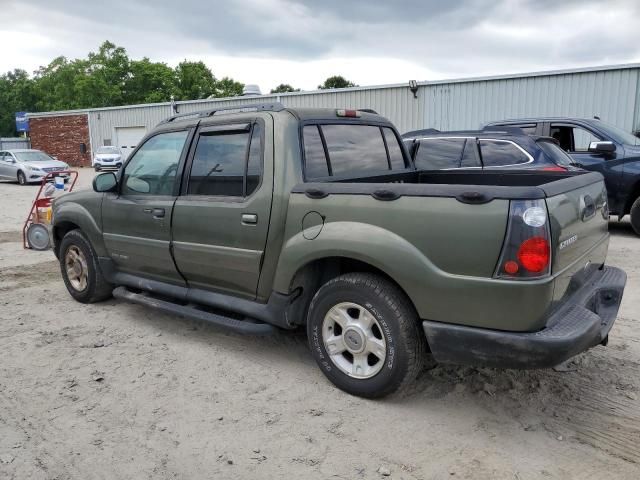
column 354, row 340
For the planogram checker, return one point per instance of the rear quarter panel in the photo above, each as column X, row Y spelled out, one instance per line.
column 441, row 252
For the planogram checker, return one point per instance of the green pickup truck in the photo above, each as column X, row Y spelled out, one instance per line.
column 265, row 217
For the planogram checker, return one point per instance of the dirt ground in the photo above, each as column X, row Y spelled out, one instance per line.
column 114, row 390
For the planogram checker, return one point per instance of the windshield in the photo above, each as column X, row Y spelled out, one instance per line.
column 618, row 134
column 553, row 151
column 33, row 156
column 109, row 150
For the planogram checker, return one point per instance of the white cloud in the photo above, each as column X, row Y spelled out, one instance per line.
column 302, row 42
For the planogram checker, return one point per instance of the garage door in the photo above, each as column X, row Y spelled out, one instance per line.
column 128, row 138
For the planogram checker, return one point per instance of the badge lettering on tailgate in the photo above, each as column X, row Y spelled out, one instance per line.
column 568, row 242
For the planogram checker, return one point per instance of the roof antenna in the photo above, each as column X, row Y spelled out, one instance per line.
column 596, row 117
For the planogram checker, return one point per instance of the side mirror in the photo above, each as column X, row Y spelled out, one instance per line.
column 105, row 182
column 602, row 147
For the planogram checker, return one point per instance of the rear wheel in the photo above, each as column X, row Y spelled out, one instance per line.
column 635, row 216
column 81, row 270
column 365, row 335
column 22, row 179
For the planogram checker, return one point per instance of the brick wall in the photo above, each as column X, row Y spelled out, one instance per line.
column 61, row 137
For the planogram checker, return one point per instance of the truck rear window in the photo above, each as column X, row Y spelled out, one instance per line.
column 347, row 150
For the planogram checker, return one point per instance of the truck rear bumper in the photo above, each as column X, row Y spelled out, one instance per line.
column 582, row 321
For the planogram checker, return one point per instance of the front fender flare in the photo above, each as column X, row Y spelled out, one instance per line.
column 80, row 216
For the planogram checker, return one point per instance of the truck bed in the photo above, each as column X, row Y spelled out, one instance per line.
column 467, row 187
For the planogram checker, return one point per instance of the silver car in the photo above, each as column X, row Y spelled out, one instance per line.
column 107, row 157
column 28, row 166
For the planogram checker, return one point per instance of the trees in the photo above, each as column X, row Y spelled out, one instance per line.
column 17, row 94
column 284, row 88
column 336, row 81
column 194, row 81
column 105, row 78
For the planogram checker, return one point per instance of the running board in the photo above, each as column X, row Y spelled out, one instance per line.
column 188, row 311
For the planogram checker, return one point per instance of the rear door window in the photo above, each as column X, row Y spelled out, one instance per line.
column 218, row 165
column 502, row 153
column 439, row 153
column 228, row 161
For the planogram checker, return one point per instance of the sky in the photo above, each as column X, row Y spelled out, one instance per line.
column 302, row 42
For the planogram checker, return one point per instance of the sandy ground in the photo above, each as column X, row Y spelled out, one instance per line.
column 114, row 390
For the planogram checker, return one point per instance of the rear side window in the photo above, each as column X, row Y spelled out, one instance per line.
column 315, row 161
column 555, row 153
column 355, row 148
column 439, row 153
column 501, row 153
column 395, row 152
column 342, row 150
column 470, row 156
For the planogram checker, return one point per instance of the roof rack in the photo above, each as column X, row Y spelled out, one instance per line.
column 250, row 107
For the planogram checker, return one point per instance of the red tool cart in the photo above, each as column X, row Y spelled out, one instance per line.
column 35, row 233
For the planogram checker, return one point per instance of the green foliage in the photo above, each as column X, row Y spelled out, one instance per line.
column 284, row 88
column 105, row 78
column 194, row 81
column 337, row 81
column 17, row 94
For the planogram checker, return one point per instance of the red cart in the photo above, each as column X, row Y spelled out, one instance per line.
column 35, row 232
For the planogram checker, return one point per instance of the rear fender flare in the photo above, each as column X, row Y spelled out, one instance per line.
column 378, row 247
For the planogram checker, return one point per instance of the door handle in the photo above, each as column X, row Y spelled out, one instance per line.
column 155, row 212
column 249, row 219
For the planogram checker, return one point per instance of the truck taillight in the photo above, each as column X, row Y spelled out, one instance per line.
column 526, row 253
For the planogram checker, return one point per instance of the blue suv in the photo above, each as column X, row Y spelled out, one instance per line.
column 598, row 146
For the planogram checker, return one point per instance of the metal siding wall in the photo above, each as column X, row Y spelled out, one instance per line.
column 103, row 123
column 614, row 95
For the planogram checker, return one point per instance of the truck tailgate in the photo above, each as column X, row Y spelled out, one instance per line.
column 579, row 219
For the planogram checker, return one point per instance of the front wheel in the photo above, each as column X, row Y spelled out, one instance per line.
column 22, row 179
column 365, row 335
column 81, row 270
column 635, row 216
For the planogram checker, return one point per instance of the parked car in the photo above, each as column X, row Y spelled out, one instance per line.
column 489, row 149
column 107, row 157
column 264, row 216
column 28, row 166
column 598, row 146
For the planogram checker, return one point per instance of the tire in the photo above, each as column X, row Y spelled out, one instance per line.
column 94, row 288
column 635, row 216
column 22, row 179
column 97, row 168
column 395, row 325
